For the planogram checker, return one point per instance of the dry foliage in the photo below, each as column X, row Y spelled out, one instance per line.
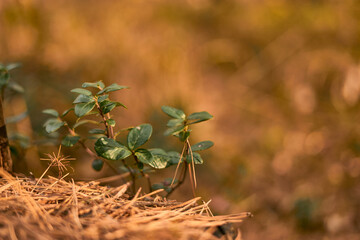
column 56, row 209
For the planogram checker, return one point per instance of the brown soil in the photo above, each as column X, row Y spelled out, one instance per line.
column 56, row 209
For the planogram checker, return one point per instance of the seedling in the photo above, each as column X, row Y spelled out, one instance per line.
column 94, row 99
column 179, row 126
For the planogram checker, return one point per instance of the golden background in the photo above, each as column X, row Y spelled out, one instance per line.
column 282, row 79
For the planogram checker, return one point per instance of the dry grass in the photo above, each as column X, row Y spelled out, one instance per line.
column 56, row 209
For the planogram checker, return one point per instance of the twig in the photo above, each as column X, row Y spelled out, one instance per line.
column 177, row 167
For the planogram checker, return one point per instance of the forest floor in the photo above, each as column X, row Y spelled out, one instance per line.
column 51, row 208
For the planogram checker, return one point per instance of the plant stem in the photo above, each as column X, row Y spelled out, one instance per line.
column 131, row 174
column 191, row 179
column 143, row 174
column 181, row 181
column 177, row 167
column 109, row 129
column 193, row 174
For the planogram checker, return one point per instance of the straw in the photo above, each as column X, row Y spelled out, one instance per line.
column 51, row 208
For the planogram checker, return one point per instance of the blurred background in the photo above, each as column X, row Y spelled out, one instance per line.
column 282, row 79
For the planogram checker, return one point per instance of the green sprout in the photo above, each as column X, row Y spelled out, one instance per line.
column 179, row 126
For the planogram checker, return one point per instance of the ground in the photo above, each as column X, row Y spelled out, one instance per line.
column 51, row 208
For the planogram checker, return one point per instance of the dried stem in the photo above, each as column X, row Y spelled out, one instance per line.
column 177, row 167
column 192, row 163
column 191, row 179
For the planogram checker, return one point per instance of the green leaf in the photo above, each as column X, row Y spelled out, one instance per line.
column 81, row 109
column 160, row 158
column 53, row 124
column 111, row 122
column 202, row 145
column 79, row 123
column 184, row 135
column 98, row 84
column 174, row 130
column 110, row 149
column 175, row 122
column 21, row 139
column 4, row 76
column 97, row 164
column 16, row 87
column 83, row 99
column 102, row 98
column 12, row 66
column 51, row 112
column 196, row 157
column 95, row 112
column 106, row 106
column 66, row 112
column 139, row 135
column 173, row 158
column 111, row 88
column 97, row 131
column 144, row 156
column 119, row 104
column 140, row 165
column 70, row 141
column 94, row 137
column 173, row 112
column 81, row 91
column 199, row 117
column 16, row 118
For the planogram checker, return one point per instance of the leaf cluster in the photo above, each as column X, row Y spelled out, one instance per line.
column 179, row 126
column 94, row 99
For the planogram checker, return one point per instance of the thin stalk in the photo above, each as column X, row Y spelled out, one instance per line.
column 131, row 174
column 177, row 167
column 109, row 129
column 192, row 162
column 181, row 181
column 143, row 174
column 191, row 179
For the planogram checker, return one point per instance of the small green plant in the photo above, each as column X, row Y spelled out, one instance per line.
column 94, row 100
column 179, row 126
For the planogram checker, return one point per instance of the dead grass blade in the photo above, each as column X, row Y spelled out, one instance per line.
column 57, row 209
